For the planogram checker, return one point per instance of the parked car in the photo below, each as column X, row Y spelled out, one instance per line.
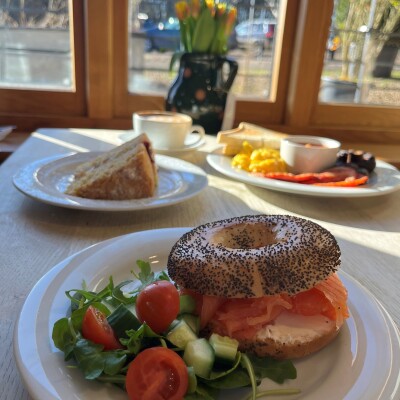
column 163, row 36
column 257, row 32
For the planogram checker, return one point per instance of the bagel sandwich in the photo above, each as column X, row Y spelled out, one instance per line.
column 268, row 281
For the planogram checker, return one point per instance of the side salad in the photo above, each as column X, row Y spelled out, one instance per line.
column 143, row 335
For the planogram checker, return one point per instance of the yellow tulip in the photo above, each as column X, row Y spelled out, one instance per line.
column 181, row 10
column 221, row 8
column 194, row 6
column 205, row 26
column 211, row 6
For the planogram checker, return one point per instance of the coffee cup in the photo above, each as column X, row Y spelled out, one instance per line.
column 167, row 130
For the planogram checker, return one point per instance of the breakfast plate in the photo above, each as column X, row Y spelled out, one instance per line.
column 362, row 363
column 47, row 179
column 385, row 179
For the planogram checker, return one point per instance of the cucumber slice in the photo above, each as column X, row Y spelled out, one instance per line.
column 122, row 320
column 192, row 381
column 200, row 355
column 187, row 304
column 225, row 348
column 192, row 320
column 181, row 334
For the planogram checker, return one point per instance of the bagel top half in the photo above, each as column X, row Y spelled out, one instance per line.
column 254, row 256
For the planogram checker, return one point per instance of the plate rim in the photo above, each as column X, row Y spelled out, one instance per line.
column 35, row 387
column 33, row 190
column 215, row 157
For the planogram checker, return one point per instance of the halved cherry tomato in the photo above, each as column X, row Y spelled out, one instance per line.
column 96, row 328
column 157, row 373
column 158, row 305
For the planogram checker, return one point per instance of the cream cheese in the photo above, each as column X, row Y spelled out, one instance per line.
column 289, row 327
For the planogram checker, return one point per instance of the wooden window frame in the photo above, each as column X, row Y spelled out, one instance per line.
column 350, row 122
column 39, row 103
column 102, row 99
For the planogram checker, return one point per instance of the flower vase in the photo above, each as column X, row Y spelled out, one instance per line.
column 201, row 88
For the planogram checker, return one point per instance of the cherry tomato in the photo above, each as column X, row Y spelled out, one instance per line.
column 158, row 305
column 96, row 328
column 157, row 373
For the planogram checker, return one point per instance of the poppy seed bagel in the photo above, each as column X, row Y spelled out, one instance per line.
column 254, row 256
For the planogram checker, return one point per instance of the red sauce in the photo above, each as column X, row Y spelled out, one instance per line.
column 311, row 145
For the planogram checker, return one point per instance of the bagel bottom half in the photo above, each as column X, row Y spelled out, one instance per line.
column 295, row 348
column 289, row 344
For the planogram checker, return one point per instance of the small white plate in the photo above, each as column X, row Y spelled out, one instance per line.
column 362, row 363
column 46, row 180
column 192, row 142
column 385, row 179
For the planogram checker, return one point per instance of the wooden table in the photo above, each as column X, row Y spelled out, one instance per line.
column 34, row 237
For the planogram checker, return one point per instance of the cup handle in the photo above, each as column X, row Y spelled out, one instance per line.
column 199, row 130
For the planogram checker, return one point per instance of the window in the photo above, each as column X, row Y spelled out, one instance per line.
column 362, row 61
column 116, row 61
column 154, row 37
column 35, row 46
column 41, row 69
column 352, row 120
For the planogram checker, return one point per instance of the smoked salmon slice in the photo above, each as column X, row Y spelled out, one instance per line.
column 206, row 306
column 336, row 293
column 240, row 314
column 242, row 318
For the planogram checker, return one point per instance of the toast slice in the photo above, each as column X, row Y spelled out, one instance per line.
column 257, row 136
column 123, row 173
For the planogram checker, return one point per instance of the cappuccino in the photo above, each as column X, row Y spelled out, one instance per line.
column 166, row 130
column 165, row 118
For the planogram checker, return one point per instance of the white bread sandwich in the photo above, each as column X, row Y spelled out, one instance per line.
column 255, row 135
column 123, row 173
column 268, row 281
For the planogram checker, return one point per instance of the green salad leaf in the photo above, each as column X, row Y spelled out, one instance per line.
column 140, row 339
column 64, row 337
column 147, row 276
column 111, row 366
column 276, row 370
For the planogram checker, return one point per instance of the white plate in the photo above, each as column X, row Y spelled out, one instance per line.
column 361, row 364
column 385, row 179
column 46, row 180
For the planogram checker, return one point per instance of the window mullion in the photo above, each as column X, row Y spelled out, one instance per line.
column 311, row 35
column 99, row 58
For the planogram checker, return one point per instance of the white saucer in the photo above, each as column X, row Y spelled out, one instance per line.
column 191, row 143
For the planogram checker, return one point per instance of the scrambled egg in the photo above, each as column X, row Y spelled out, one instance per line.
column 260, row 160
